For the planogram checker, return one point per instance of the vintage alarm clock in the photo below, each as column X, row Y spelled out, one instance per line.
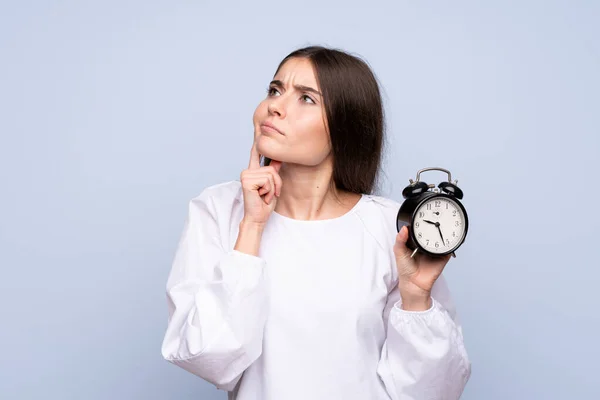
column 436, row 219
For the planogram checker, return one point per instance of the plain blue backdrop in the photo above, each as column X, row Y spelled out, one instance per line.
column 113, row 114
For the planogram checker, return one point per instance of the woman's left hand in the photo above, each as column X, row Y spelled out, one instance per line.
column 416, row 275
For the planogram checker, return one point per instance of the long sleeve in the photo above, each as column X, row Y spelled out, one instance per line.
column 216, row 300
column 423, row 356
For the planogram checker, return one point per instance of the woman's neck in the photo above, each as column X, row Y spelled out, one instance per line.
column 308, row 193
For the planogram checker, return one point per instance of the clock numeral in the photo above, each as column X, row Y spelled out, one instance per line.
column 437, row 244
column 420, row 235
column 438, row 203
column 454, row 213
column 446, row 206
column 447, row 242
column 427, row 241
column 453, row 234
column 429, row 206
column 456, row 223
column 421, row 214
column 417, row 224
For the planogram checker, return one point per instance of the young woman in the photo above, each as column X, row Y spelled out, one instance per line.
column 292, row 283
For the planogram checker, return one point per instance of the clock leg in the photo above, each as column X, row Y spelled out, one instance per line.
column 453, row 254
column 413, row 253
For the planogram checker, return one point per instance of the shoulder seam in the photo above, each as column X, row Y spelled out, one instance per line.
column 379, row 200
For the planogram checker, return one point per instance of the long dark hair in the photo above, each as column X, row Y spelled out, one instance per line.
column 355, row 116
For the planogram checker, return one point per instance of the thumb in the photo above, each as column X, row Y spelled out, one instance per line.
column 275, row 164
column 402, row 236
column 400, row 245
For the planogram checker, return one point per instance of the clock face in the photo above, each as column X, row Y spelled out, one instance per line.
column 439, row 225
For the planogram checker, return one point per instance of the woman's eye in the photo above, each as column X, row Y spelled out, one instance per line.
column 272, row 91
column 307, row 99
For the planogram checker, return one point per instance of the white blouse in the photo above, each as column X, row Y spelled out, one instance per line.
column 316, row 316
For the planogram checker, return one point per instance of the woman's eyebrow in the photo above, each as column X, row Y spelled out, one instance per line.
column 300, row 88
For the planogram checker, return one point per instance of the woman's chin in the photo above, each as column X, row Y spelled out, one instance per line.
column 267, row 151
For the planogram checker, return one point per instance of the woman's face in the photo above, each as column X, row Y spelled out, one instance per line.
column 290, row 123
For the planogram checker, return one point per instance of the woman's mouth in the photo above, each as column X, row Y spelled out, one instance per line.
column 268, row 127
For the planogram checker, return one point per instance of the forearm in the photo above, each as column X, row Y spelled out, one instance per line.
column 249, row 238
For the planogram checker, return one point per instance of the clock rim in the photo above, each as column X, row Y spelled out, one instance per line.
column 412, row 221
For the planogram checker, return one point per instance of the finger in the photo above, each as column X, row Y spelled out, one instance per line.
column 256, row 129
column 260, row 184
column 264, row 184
column 263, row 190
column 254, row 157
column 271, row 192
column 277, row 179
column 276, row 165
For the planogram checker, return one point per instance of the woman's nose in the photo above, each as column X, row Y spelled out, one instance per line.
column 276, row 107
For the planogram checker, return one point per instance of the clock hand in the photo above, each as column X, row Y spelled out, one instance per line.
column 440, row 230
column 437, row 225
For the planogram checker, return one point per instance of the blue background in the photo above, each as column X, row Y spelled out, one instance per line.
column 114, row 114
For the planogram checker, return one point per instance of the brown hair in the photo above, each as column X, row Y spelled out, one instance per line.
column 355, row 116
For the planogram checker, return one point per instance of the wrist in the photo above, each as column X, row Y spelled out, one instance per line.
column 415, row 300
column 411, row 304
column 251, row 226
column 249, row 237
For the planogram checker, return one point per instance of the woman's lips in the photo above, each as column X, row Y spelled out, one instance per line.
column 268, row 127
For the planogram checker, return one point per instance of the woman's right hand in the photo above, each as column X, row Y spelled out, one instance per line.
column 261, row 186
